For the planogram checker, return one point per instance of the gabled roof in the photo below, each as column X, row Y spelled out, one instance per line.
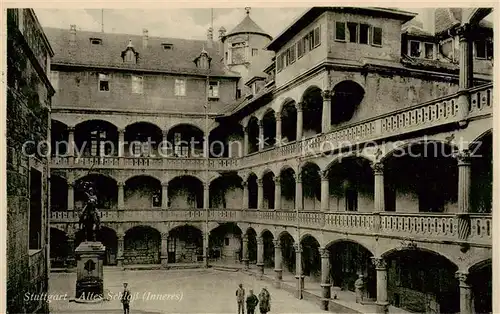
column 179, row 59
column 446, row 18
column 247, row 26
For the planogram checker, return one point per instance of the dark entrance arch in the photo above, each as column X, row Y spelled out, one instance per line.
column 185, row 245
column 225, row 243
column 142, row 246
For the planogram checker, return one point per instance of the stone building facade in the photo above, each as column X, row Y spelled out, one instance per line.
column 29, row 95
column 354, row 143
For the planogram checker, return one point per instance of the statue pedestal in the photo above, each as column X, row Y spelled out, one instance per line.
column 89, row 272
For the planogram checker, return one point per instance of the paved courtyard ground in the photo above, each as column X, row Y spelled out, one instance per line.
column 182, row 291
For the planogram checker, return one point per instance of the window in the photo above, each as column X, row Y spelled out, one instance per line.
column 364, row 31
column 137, row 85
column 103, row 82
column 414, row 49
column 291, row 54
column 226, row 55
column 377, row 36
column 317, row 37
column 226, row 241
column 483, row 49
column 180, row 87
column 54, row 79
column 156, row 200
column 300, row 49
column 429, row 50
column 353, row 32
column 95, row 41
column 35, row 214
column 129, row 56
column 340, row 31
column 213, row 89
column 255, row 52
column 167, row 46
column 279, row 63
column 305, row 43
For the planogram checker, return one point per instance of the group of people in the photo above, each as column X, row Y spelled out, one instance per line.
column 264, row 301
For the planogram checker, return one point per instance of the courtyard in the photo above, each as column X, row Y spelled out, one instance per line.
column 173, row 291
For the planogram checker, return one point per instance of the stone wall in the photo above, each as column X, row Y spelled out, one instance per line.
column 28, row 104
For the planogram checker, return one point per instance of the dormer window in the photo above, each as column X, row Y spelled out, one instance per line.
column 414, row 48
column 167, row 46
column 129, row 55
column 96, row 41
column 429, row 51
column 203, row 60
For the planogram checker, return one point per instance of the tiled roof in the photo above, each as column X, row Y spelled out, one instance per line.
column 247, row 26
column 423, row 63
column 179, row 59
column 416, row 31
column 445, row 18
column 258, row 64
column 230, row 110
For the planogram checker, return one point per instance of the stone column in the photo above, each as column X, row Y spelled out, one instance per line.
column 245, row 141
column 121, row 249
column 121, row 142
column 206, row 195
column 278, row 256
column 277, row 193
column 164, row 195
column 205, row 248
column 260, row 256
column 164, row 250
column 278, row 128
column 464, row 190
column 325, row 191
column 70, row 262
column 71, row 141
column 121, row 196
column 261, row 135
column 298, row 192
column 245, row 195
column 466, row 71
column 245, row 251
column 381, row 268
column 378, row 194
column 465, row 293
column 325, row 278
column 260, row 194
column 298, row 270
column 300, row 118
column 71, row 196
column 326, row 113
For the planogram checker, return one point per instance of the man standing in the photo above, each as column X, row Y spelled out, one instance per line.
column 126, row 299
column 251, row 302
column 240, row 298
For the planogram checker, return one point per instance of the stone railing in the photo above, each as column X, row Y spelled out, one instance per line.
column 37, row 264
column 145, row 163
column 438, row 112
column 418, row 226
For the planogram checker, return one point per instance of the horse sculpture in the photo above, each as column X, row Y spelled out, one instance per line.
column 89, row 218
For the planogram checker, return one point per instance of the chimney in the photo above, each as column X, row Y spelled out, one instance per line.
column 145, row 38
column 72, row 35
column 222, row 33
column 210, row 37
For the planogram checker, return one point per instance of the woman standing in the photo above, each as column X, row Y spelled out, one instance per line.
column 264, row 301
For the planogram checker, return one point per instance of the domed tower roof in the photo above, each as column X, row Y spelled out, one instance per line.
column 247, row 26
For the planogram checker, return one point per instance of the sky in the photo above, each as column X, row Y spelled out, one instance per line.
column 177, row 23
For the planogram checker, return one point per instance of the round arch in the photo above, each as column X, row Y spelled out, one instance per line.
column 346, row 97
column 103, row 121
column 268, row 110
column 363, row 245
column 350, row 155
column 149, row 176
column 95, row 173
column 173, row 126
column 143, row 122
column 265, row 171
column 191, row 175
column 266, row 230
column 142, row 245
column 388, row 253
column 308, row 90
column 287, row 101
column 287, row 234
column 403, row 147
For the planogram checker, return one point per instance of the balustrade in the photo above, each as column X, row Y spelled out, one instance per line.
column 436, row 226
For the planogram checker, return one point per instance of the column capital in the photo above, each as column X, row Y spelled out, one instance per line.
column 297, row 247
column 164, row 132
column 260, row 182
column 164, row 184
column 206, row 185
column 120, row 236
column 463, row 157
column 324, row 252
column 380, row 263
column 299, row 106
column 260, row 123
column 462, row 277
column 378, row 168
column 121, row 131
column 244, row 183
column 164, row 235
column 298, row 177
column 245, row 238
column 277, row 180
column 260, row 241
column 277, row 115
column 463, row 32
column 120, row 184
column 323, row 174
column 277, row 244
column 326, row 94
column 71, row 129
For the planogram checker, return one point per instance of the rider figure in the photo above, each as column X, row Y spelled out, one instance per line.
column 90, row 214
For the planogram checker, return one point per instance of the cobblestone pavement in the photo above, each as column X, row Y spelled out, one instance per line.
column 173, row 291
